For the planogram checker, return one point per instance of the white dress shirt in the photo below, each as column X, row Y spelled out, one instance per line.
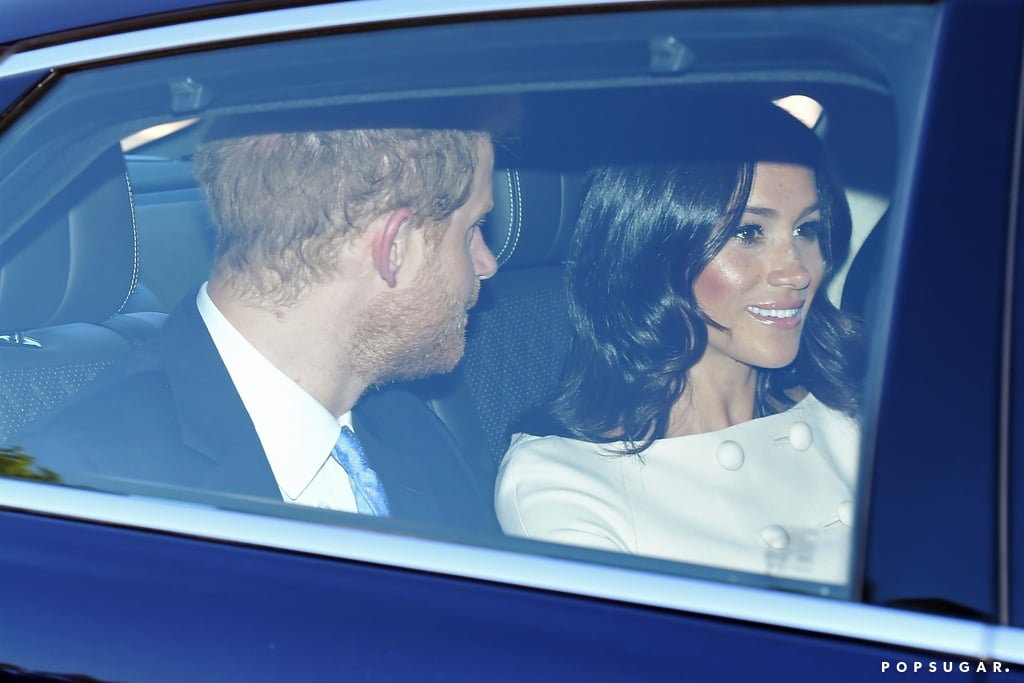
column 296, row 431
column 774, row 495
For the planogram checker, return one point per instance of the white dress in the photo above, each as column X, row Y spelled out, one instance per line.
column 771, row 496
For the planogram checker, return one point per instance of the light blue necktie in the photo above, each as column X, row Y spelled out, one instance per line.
column 370, row 496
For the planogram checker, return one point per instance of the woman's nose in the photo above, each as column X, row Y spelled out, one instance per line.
column 789, row 270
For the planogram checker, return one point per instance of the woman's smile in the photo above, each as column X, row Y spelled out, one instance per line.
column 783, row 316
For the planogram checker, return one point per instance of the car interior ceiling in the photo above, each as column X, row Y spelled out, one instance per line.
column 148, row 234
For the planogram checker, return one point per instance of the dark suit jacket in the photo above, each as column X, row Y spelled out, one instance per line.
column 169, row 414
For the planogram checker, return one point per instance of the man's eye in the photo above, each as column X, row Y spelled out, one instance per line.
column 474, row 229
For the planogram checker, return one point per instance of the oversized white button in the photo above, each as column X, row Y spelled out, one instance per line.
column 730, row 455
column 775, row 537
column 800, row 436
column 845, row 513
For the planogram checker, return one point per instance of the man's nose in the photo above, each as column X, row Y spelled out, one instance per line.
column 484, row 263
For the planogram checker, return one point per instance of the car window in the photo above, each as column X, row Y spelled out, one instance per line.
column 797, row 127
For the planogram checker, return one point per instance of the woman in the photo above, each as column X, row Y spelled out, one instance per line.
column 707, row 412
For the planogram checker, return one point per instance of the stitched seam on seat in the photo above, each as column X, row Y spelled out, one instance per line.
column 502, row 257
column 135, row 246
column 519, row 213
column 518, row 222
column 515, row 212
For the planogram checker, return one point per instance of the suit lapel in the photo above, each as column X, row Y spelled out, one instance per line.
column 393, row 458
column 212, row 418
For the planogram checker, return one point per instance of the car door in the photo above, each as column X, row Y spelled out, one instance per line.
column 145, row 581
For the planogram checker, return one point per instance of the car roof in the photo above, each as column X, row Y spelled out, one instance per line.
column 35, row 23
column 45, row 21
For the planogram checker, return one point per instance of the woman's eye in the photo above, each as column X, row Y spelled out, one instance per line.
column 748, row 234
column 810, row 230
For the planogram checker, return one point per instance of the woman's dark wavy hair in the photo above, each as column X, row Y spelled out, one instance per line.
column 643, row 236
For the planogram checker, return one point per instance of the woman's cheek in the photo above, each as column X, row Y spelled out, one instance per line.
column 721, row 279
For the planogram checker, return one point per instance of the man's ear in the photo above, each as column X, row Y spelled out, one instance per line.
column 389, row 245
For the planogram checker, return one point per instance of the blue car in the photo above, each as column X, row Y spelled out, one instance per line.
column 105, row 230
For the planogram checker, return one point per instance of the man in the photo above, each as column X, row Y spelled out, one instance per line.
column 344, row 260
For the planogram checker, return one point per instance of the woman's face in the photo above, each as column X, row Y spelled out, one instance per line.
column 760, row 285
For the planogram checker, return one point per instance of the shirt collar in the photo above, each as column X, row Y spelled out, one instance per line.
column 296, row 431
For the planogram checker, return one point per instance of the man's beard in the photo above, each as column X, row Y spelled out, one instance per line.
column 412, row 334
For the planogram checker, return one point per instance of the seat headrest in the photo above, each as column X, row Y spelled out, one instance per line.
column 77, row 260
column 533, row 217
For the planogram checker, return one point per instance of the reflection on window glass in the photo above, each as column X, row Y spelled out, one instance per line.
column 153, row 134
column 600, row 298
column 806, row 109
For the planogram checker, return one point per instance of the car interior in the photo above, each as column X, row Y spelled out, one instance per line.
column 90, row 266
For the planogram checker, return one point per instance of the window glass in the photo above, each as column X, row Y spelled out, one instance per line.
column 1015, row 504
column 249, row 276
